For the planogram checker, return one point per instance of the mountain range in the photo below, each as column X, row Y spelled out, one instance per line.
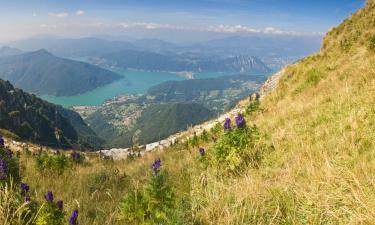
column 42, row 73
column 150, row 61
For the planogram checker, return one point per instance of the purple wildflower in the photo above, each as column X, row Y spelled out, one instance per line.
column 156, row 166
column 201, row 151
column 49, row 196
column 60, row 204
column 74, row 218
column 227, row 124
column 9, row 153
column 75, row 155
column 1, row 141
column 240, row 121
column 24, row 189
column 3, row 170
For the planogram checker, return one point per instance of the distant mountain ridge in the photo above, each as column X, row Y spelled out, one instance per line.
column 38, row 121
column 151, row 61
column 42, row 73
column 8, row 51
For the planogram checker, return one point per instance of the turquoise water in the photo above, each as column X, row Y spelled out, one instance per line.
column 134, row 82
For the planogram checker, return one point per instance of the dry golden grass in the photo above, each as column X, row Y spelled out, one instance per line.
column 320, row 120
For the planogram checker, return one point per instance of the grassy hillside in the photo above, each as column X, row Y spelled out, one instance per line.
column 45, row 74
column 305, row 155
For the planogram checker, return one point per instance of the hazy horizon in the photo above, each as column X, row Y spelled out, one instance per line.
column 169, row 20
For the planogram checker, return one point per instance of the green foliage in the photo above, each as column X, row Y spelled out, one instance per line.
column 52, row 163
column 372, row 43
column 50, row 214
column 237, row 148
column 12, row 166
column 313, row 77
column 155, row 204
column 252, row 107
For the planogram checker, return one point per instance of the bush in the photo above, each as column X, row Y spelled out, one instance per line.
column 53, row 164
column 252, row 107
column 50, row 213
column 237, row 148
column 155, row 204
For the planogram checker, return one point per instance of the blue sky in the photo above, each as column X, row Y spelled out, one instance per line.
column 163, row 18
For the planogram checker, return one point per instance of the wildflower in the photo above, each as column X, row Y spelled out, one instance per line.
column 240, row 121
column 73, row 218
column 9, row 153
column 156, row 166
column 24, row 189
column 60, row 204
column 201, row 151
column 75, row 155
column 3, row 170
column 1, row 141
column 49, row 196
column 227, row 124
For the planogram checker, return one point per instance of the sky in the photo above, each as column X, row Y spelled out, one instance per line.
column 178, row 20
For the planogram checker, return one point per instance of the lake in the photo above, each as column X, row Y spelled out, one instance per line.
column 134, row 82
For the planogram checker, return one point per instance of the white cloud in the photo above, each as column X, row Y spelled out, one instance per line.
column 80, row 13
column 213, row 28
column 34, row 14
column 59, row 15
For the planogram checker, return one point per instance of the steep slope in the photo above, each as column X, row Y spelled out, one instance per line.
column 320, row 120
column 45, row 74
column 35, row 120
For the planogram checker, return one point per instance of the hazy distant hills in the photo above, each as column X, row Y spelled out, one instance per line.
column 275, row 51
column 72, row 48
column 143, row 60
column 8, row 51
column 42, row 73
column 35, row 120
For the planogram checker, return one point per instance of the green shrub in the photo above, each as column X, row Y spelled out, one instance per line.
column 237, row 148
column 49, row 213
column 155, row 204
column 51, row 163
column 252, row 107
